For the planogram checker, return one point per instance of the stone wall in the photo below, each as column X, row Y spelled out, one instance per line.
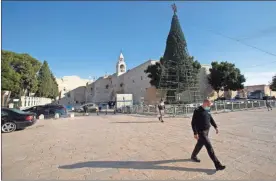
column 134, row 81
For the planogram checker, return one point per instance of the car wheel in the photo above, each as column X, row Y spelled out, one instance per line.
column 8, row 127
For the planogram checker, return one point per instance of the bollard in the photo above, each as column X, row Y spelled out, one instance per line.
column 41, row 117
column 71, row 115
column 56, row 115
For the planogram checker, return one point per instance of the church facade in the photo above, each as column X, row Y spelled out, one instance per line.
column 134, row 81
column 123, row 81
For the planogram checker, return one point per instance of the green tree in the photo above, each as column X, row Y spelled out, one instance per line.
column 273, row 83
column 225, row 76
column 154, row 72
column 10, row 80
column 54, row 87
column 25, row 67
column 175, row 55
column 44, row 81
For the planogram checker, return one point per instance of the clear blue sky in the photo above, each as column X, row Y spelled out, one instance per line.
column 85, row 38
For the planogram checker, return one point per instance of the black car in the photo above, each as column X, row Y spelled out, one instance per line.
column 49, row 110
column 269, row 98
column 15, row 119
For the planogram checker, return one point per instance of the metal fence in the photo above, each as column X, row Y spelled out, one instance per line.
column 187, row 110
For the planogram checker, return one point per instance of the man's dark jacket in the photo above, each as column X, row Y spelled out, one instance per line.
column 202, row 120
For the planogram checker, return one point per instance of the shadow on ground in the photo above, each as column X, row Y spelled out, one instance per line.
column 152, row 165
column 137, row 122
column 142, row 115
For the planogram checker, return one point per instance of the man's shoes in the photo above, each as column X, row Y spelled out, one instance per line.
column 195, row 159
column 220, row 167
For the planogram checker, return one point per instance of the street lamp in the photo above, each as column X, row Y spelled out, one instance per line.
column 124, row 103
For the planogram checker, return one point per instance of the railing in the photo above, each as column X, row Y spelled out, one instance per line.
column 34, row 101
column 187, row 109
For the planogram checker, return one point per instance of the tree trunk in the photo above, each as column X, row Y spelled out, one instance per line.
column 217, row 93
column 2, row 98
column 8, row 98
column 5, row 99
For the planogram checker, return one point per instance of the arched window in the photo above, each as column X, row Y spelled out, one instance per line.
column 122, row 68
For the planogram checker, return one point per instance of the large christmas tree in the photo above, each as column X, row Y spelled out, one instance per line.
column 179, row 77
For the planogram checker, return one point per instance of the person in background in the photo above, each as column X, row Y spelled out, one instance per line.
column 97, row 110
column 268, row 104
column 201, row 123
column 161, row 110
column 85, row 109
column 114, row 107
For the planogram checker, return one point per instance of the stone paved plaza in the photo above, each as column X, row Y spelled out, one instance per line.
column 131, row 147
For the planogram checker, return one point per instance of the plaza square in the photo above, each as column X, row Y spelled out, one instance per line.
column 114, row 147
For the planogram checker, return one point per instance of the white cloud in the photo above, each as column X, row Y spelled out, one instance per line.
column 256, row 78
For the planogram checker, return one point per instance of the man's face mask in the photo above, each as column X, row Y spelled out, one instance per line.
column 207, row 108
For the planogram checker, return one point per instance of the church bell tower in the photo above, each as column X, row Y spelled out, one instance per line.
column 121, row 65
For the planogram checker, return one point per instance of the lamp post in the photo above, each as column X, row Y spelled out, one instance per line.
column 124, row 103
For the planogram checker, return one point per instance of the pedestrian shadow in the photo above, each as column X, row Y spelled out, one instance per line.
column 141, row 115
column 151, row 165
column 136, row 122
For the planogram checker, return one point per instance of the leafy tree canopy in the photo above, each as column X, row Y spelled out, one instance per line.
column 225, row 76
column 23, row 74
column 47, row 85
column 19, row 70
column 273, row 83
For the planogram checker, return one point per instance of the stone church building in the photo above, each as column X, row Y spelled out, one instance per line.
column 133, row 81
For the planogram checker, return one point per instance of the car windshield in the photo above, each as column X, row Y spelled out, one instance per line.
column 91, row 104
column 18, row 111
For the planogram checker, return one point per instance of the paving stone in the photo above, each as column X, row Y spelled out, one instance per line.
column 256, row 175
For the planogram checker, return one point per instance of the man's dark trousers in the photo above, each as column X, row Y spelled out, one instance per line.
column 204, row 140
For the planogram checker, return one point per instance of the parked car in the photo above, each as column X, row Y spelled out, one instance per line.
column 49, row 110
column 90, row 106
column 15, row 119
column 237, row 97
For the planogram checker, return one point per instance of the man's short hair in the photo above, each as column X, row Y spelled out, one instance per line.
column 207, row 101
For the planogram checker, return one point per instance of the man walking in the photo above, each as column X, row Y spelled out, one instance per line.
column 85, row 108
column 161, row 110
column 201, row 123
column 268, row 104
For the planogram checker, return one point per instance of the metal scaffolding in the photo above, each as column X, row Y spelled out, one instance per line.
column 178, row 84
